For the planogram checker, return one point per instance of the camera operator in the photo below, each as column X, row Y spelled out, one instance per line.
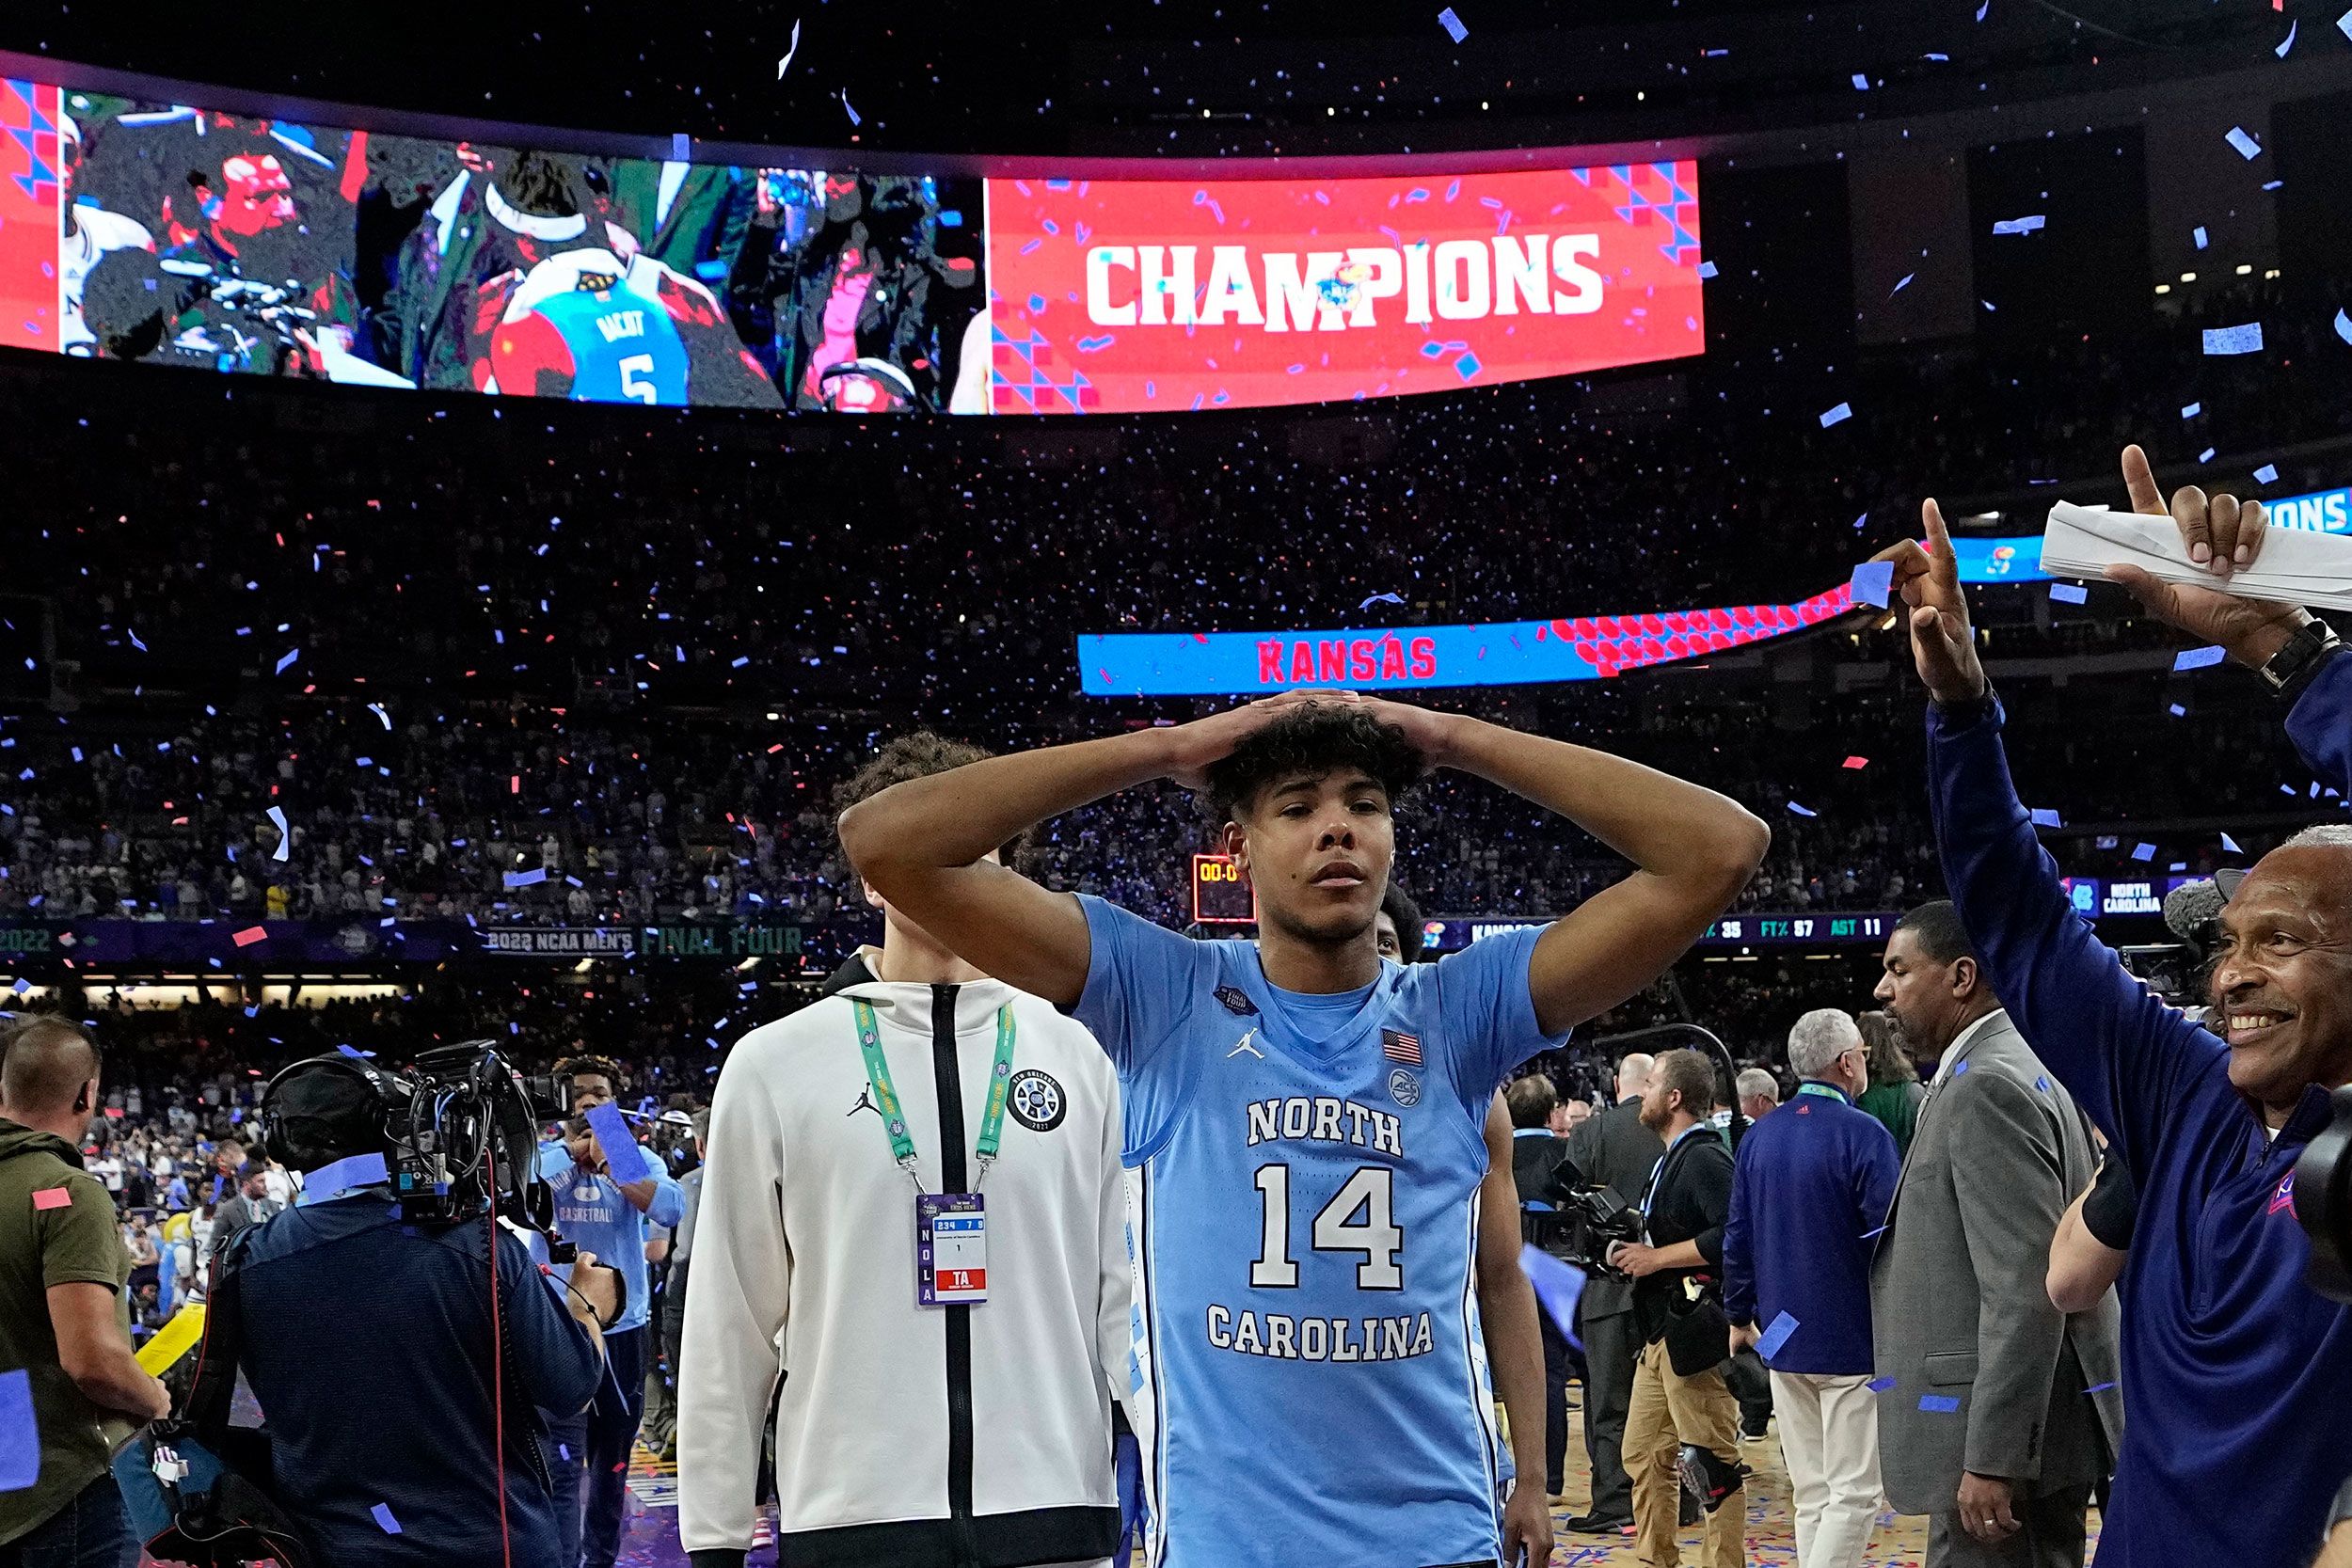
column 1676, row 1410
column 1616, row 1149
column 595, row 1212
column 374, row 1344
column 63, row 1318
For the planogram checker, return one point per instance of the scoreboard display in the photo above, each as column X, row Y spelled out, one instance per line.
column 1219, row 895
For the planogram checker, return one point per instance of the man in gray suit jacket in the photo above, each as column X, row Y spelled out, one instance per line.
column 1613, row 1151
column 1988, row 1421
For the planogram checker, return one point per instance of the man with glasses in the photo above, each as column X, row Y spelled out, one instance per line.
column 1808, row 1191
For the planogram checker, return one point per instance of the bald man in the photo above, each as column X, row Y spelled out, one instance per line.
column 1613, row 1151
column 64, row 1314
column 2238, row 1372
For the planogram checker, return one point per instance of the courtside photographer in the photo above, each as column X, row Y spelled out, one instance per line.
column 407, row 1386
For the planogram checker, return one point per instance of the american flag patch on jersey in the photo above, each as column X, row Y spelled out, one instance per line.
column 1398, row 1046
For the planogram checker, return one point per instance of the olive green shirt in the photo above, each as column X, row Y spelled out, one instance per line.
column 46, row 1241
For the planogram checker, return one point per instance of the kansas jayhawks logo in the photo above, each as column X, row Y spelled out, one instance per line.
column 2283, row 1197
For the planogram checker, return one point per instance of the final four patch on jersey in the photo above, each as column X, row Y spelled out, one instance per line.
column 1236, row 1000
column 1035, row 1100
column 1404, row 1088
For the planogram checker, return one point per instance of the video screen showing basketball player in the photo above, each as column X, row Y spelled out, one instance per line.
column 581, row 310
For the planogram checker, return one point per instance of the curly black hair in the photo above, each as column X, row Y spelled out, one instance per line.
column 916, row 756
column 1399, row 906
column 1317, row 738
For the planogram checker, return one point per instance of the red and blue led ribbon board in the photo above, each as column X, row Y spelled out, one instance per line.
column 1500, row 653
column 139, row 221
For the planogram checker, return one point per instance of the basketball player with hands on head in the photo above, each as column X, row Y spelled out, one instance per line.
column 1302, row 1119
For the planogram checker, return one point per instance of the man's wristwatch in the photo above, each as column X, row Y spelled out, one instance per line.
column 2287, row 671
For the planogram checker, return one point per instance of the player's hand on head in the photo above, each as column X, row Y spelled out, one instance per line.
column 2223, row 537
column 1430, row 732
column 1942, row 645
column 1193, row 748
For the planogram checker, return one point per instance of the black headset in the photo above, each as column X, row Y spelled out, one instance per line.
column 275, row 1142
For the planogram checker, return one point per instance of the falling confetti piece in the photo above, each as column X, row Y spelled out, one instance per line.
column 2248, row 148
column 2045, row 817
column 791, row 50
column 2179, row 712
column 2190, row 410
column 1856, row 762
column 525, row 879
column 2198, row 234
column 2244, row 338
column 1801, row 811
column 2344, row 324
column 285, row 834
column 291, row 654
column 2026, row 225
column 2144, row 851
column 2069, row 593
column 2197, row 659
column 383, row 1517
column 1453, row 24
column 2289, row 42
column 1880, row 1384
column 2267, row 473
column 377, row 708
column 20, row 1432
column 1707, row 269
column 844, row 104
column 2098, row 1387
column 53, row 1197
column 1872, row 582
column 1839, row 415
column 1901, row 286
column 2231, row 845
column 1381, row 598
column 1861, row 83
column 250, row 935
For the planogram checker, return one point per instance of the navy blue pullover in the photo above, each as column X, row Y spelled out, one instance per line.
column 1811, row 1185
column 2238, row 1375
column 368, row 1343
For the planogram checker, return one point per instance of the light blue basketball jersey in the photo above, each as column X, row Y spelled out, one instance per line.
column 1309, row 1379
column 625, row 347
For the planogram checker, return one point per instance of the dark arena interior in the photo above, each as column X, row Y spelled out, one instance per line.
column 1683, row 644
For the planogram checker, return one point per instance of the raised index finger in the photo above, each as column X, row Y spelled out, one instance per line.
column 1942, row 564
column 2139, row 481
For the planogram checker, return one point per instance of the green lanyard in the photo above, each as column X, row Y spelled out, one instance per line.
column 1821, row 1090
column 894, row 1117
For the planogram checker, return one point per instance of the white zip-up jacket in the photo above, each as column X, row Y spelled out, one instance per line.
column 905, row 1434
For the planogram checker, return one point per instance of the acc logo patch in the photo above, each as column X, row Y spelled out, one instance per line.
column 1035, row 1100
column 1404, row 1088
column 1236, row 1000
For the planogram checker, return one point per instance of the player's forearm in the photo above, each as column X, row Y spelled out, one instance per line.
column 958, row 818
column 1668, row 827
column 1515, row 1351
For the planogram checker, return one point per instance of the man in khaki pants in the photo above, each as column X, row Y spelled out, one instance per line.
column 1689, row 1197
